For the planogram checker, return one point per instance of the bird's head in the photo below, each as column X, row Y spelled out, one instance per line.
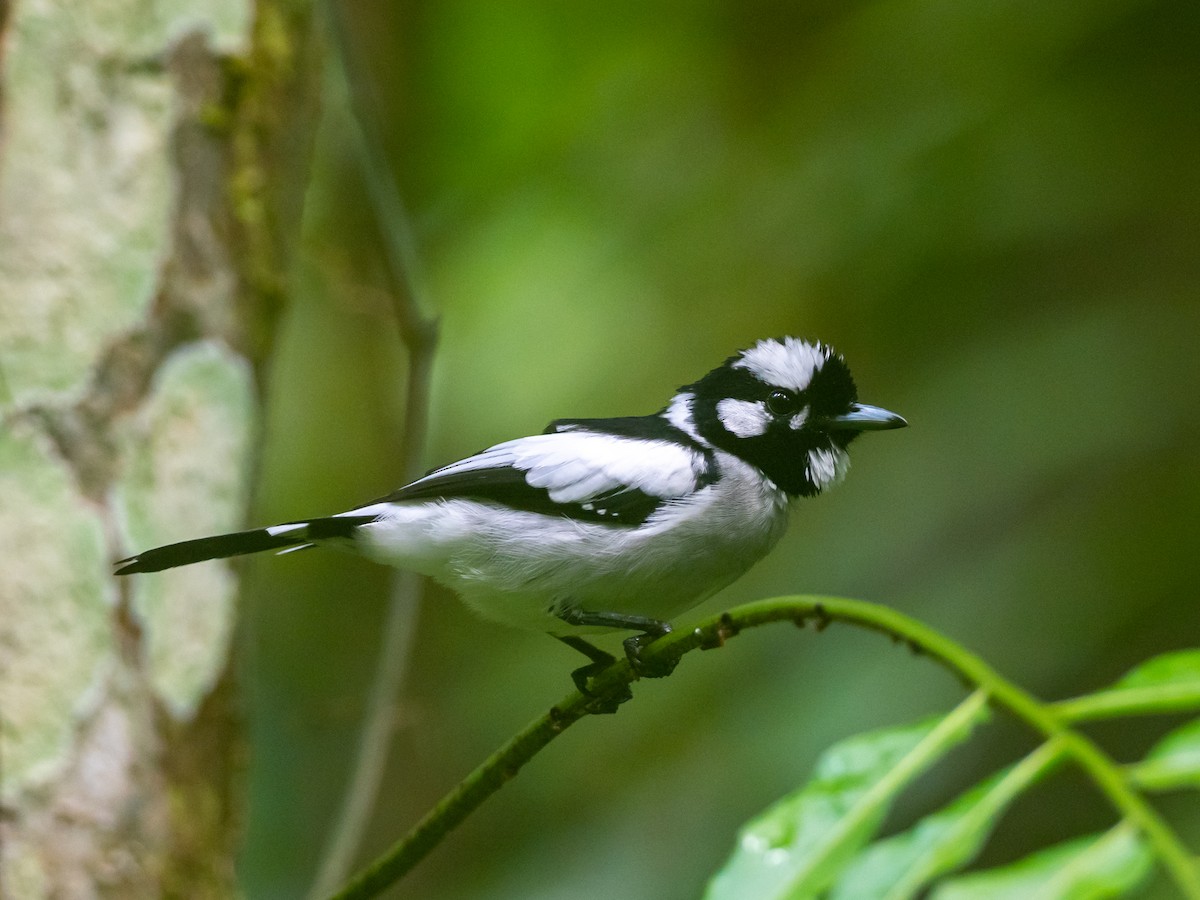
column 788, row 407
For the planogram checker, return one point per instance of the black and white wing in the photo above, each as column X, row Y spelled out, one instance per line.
column 617, row 471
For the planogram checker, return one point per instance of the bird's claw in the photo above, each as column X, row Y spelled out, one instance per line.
column 661, row 666
column 604, row 703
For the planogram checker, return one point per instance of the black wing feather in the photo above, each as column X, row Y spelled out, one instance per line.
column 507, row 486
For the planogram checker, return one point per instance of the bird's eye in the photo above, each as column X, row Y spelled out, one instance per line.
column 782, row 403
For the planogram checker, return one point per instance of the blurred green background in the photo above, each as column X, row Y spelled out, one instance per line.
column 992, row 209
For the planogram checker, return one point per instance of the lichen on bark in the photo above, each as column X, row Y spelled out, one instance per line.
column 186, row 456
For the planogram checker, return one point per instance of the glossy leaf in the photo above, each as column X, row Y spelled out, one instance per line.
column 1166, row 683
column 797, row 847
column 902, row 865
column 1174, row 762
column 1089, row 868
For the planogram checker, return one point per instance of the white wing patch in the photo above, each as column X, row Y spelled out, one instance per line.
column 575, row 466
column 790, row 364
column 744, row 418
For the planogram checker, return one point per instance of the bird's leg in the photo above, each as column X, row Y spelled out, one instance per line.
column 599, row 662
column 651, row 630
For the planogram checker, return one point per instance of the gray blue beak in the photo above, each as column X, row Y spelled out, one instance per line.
column 866, row 418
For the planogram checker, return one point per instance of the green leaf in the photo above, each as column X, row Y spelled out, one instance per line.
column 1088, row 868
column 902, row 865
column 797, row 847
column 1174, row 762
column 1166, row 683
column 1181, row 666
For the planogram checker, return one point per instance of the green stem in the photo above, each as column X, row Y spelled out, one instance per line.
column 452, row 809
column 1117, row 702
column 711, row 633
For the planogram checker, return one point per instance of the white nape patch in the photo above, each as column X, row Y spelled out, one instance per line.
column 744, row 418
column 679, row 414
column 790, row 364
column 275, row 530
column 827, row 466
column 797, row 421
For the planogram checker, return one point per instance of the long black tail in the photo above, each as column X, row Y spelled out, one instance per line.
column 221, row 546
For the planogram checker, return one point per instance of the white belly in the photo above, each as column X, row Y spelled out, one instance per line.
column 520, row 568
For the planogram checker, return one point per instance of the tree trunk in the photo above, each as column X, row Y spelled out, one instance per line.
column 152, row 166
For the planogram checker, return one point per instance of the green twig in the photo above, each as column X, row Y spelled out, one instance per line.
column 711, row 633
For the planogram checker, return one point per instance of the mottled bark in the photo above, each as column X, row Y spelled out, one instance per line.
column 152, row 168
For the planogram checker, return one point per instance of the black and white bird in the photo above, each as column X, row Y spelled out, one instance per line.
column 607, row 523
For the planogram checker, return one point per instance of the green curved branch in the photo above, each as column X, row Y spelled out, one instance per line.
column 711, row 633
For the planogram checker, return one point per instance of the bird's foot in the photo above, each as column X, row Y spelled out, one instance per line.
column 651, row 630
column 604, row 703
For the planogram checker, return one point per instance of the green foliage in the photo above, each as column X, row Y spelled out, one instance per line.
column 798, row 845
column 1089, row 868
column 818, row 839
column 1174, row 762
column 942, row 841
column 1166, row 683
